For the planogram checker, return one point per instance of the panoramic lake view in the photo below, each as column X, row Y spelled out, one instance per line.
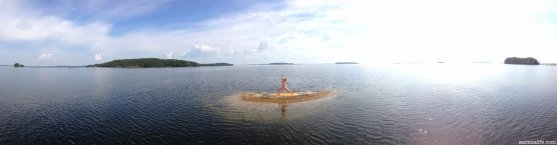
column 444, row 103
column 418, row 72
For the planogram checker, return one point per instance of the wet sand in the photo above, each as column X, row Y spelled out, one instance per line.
column 264, row 108
column 299, row 97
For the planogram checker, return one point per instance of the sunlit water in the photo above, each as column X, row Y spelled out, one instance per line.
column 375, row 104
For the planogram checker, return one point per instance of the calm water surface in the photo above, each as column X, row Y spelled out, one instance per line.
column 375, row 104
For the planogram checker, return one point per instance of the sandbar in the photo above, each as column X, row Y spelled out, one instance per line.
column 287, row 97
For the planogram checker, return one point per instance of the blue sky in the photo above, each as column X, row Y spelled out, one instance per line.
column 79, row 32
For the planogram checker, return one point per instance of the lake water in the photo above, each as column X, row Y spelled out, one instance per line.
column 375, row 104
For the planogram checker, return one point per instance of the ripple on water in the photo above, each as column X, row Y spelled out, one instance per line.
column 378, row 105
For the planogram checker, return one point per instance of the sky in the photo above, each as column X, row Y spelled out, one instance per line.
column 82, row 32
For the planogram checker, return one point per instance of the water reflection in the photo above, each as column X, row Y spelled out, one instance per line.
column 233, row 107
column 282, row 111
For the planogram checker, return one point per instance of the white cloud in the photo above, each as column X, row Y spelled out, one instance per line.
column 205, row 48
column 47, row 56
column 98, row 56
column 119, row 9
column 103, row 10
column 365, row 31
column 314, row 31
column 431, row 30
column 169, row 55
column 31, row 29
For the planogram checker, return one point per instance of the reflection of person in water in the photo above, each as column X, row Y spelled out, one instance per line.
column 283, row 87
column 282, row 110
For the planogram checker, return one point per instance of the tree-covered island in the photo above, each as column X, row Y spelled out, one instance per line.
column 147, row 62
column 518, row 60
column 153, row 62
column 18, row 65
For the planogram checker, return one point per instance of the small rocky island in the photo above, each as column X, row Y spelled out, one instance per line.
column 346, row 63
column 518, row 60
column 153, row 62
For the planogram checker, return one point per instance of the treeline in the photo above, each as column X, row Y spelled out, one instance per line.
column 147, row 62
column 518, row 60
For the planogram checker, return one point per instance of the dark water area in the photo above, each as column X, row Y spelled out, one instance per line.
column 375, row 104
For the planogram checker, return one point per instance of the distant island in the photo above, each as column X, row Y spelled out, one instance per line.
column 18, row 65
column 518, row 60
column 274, row 63
column 346, row 63
column 280, row 63
column 216, row 64
column 154, row 62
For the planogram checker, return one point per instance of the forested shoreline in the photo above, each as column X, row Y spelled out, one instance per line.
column 147, row 62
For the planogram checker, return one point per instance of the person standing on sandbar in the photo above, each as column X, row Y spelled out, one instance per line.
column 283, row 87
